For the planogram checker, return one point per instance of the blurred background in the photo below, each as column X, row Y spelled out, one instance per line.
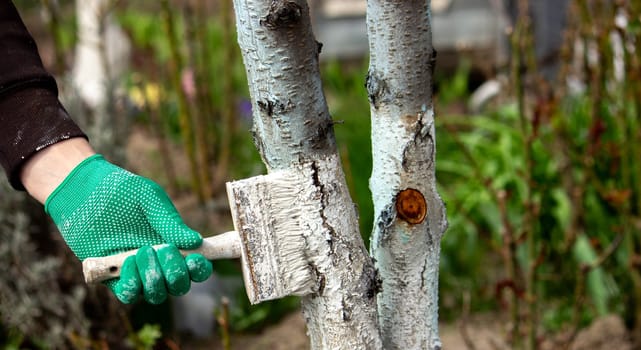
column 538, row 112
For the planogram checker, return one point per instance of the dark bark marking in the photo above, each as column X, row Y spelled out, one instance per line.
column 258, row 142
column 433, row 62
column 282, row 14
column 386, row 218
column 272, row 107
column 266, row 107
column 319, row 47
column 377, row 89
column 384, row 222
column 431, row 66
column 347, row 310
column 321, row 134
column 372, row 281
column 422, row 275
column 321, row 280
column 323, row 198
column 315, row 177
column 422, row 144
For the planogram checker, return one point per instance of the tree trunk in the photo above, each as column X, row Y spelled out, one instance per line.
column 409, row 214
column 292, row 126
column 101, row 59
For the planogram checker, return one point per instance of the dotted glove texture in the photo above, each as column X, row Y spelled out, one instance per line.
column 101, row 209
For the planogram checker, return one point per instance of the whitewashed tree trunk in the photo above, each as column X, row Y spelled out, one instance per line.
column 292, row 126
column 409, row 214
column 101, row 59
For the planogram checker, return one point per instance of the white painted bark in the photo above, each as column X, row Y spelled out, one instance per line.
column 102, row 51
column 292, row 126
column 406, row 247
column 101, row 59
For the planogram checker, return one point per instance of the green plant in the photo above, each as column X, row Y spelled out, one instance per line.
column 37, row 310
column 146, row 337
column 203, row 90
column 548, row 187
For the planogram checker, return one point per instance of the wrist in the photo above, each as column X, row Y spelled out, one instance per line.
column 93, row 174
column 48, row 168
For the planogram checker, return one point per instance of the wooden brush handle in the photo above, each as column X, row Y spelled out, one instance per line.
column 222, row 246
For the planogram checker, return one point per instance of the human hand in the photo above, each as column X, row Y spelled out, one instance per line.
column 101, row 209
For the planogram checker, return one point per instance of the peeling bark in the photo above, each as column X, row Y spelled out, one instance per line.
column 292, row 126
column 409, row 214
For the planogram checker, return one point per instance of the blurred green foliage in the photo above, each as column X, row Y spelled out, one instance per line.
column 480, row 167
column 543, row 194
column 146, row 337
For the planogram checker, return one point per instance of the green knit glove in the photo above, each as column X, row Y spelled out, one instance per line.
column 101, row 209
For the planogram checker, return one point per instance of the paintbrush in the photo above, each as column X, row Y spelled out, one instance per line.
column 273, row 215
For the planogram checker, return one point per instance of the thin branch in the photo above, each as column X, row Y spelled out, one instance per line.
column 579, row 290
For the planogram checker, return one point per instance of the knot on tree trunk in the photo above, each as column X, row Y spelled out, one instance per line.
column 411, row 206
column 282, row 14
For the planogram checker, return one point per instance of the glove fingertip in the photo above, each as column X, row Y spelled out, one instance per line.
column 174, row 269
column 129, row 286
column 151, row 275
column 199, row 268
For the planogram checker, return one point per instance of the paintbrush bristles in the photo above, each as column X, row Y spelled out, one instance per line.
column 273, row 215
column 294, row 206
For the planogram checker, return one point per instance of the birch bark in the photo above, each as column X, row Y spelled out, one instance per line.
column 292, row 126
column 409, row 214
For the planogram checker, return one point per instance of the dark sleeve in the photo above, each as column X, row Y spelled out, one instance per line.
column 31, row 116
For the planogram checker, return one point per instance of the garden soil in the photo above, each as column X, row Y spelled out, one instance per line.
column 607, row 333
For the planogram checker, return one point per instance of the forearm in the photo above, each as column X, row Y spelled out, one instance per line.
column 46, row 169
column 31, row 117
